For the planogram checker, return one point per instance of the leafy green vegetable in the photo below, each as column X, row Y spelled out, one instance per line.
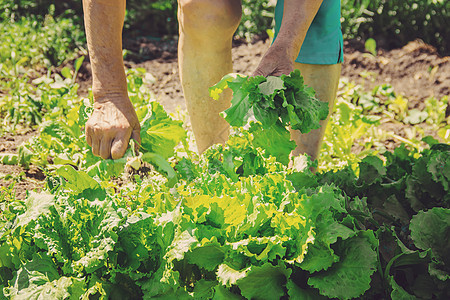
column 350, row 277
column 275, row 103
column 270, row 99
column 428, row 229
column 159, row 133
column 265, row 282
column 80, row 183
column 236, row 224
column 275, row 141
column 39, row 279
column 232, row 223
column 36, row 204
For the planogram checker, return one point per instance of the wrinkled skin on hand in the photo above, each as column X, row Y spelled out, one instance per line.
column 110, row 127
column 275, row 62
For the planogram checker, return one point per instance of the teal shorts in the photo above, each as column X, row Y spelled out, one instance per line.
column 323, row 43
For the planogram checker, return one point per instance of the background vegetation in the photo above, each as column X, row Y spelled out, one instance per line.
column 398, row 22
column 394, row 22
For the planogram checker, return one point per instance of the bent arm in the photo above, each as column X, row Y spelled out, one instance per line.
column 297, row 17
column 104, row 22
column 113, row 121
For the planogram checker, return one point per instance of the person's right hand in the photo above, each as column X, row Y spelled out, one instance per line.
column 111, row 125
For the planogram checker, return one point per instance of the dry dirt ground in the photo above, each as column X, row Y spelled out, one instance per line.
column 415, row 71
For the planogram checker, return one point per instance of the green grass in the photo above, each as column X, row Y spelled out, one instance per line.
column 39, row 42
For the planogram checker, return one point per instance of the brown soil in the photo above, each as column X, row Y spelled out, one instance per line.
column 23, row 179
column 415, row 71
column 167, row 86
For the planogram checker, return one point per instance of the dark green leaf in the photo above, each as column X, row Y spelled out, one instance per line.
column 159, row 133
column 270, row 86
column 297, row 293
column 276, row 141
column 265, row 282
column 431, row 230
column 351, row 276
column 208, row 256
column 371, row 169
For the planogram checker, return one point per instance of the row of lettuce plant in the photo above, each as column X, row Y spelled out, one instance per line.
column 235, row 222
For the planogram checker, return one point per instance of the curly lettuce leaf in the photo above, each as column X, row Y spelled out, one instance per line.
column 39, row 279
column 159, row 133
column 429, row 230
column 208, row 256
column 285, row 98
column 275, row 141
column 264, row 282
column 351, row 276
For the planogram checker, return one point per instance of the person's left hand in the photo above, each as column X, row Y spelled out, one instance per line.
column 275, row 62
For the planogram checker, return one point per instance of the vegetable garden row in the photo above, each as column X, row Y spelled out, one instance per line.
column 235, row 222
column 243, row 220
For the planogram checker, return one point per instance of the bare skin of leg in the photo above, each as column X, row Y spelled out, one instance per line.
column 324, row 79
column 204, row 55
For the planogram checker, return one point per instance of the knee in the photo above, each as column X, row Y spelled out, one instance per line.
column 209, row 18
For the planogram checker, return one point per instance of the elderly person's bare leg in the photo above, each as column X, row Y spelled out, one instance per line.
column 324, row 79
column 204, row 55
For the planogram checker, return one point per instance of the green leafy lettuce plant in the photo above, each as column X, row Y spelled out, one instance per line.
column 275, row 102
